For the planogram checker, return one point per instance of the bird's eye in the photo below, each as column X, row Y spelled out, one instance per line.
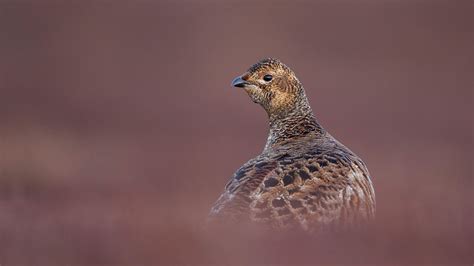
column 267, row 77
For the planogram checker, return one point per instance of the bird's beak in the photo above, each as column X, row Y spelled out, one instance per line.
column 239, row 82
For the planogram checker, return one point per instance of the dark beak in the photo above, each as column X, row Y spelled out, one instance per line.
column 239, row 82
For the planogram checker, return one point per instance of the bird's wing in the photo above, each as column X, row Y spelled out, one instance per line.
column 315, row 191
column 234, row 202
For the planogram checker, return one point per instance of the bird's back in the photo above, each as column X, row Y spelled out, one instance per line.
column 312, row 181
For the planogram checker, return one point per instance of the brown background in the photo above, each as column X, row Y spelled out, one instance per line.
column 119, row 127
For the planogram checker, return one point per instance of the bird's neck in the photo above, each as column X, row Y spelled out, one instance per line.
column 298, row 122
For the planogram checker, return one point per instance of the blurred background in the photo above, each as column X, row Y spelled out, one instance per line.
column 119, row 127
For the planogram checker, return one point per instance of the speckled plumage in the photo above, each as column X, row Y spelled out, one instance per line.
column 304, row 177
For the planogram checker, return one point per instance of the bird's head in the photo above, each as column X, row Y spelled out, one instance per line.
column 273, row 85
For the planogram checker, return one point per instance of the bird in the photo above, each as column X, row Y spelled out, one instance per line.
column 304, row 178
